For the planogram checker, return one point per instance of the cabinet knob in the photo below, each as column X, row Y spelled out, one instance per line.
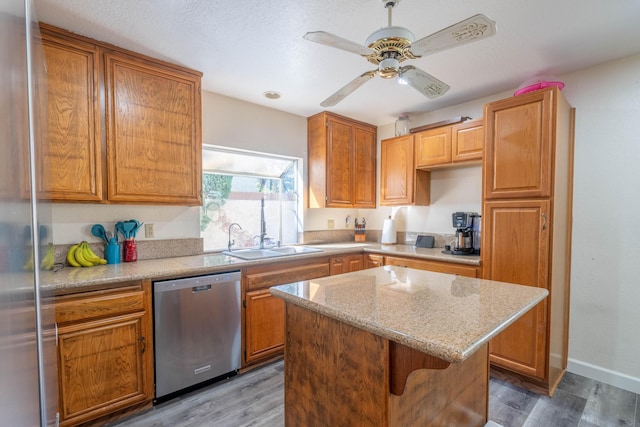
column 544, row 221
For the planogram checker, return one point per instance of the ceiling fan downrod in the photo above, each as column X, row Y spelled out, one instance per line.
column 389, row 4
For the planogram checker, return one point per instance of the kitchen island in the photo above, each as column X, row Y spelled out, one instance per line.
column 394, row 346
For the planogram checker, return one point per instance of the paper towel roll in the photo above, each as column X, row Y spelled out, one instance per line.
column 388, row 232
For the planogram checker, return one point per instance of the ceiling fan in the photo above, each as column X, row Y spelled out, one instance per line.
column 389, row 46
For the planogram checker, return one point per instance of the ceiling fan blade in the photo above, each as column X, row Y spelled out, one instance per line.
column 346, row 90
column 470, row 30
column 423, row 82
column 332, row 40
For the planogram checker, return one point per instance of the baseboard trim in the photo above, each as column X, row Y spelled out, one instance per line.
column 604, row 375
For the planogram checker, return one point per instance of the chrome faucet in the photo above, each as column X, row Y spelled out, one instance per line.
column 263, row 224
column 231, row 242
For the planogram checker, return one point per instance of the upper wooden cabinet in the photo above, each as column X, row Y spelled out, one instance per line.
column 400, row 182
column 150, row 149
column 520, row 139
column 467, row 141
column 341, row 162
column 433, row 147
column 154, row 146
column 68, row 99
column 449, row 145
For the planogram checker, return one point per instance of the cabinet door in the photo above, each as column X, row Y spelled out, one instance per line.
column 71, row 158
column 154, row 143
column 346, row 264
column 339, row 164
column 101, row 365
column 518, row 146
column 400, row 182
column 467, row 141
column 264, row 325
column 364, row 159
column 372, row 261
column 515, row 249
column 396, row 171
column 433, row 147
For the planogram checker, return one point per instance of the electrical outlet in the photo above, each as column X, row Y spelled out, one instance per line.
column 149, row 232
column 330, row 224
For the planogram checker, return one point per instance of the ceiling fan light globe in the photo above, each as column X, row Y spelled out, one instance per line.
column 389, row 68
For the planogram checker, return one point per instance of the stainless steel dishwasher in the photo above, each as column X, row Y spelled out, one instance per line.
column 196, row 330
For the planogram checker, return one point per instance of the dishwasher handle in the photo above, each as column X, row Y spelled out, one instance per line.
column 202, row 288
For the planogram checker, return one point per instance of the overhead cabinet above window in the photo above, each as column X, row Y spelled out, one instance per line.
column 150, row 110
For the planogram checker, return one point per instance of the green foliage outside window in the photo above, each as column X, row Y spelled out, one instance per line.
column 215, row 190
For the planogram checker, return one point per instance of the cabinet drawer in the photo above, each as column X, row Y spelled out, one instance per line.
column 286, row 272
column 99, row 304
column 440, row 267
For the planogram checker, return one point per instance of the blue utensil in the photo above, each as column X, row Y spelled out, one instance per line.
column 99, row 231
column 120, row 228
column 133, row 225
column 128, row 227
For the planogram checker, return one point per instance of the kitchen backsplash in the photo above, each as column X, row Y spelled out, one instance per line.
column 372, row 236
column 154, row 249
column 147, row 249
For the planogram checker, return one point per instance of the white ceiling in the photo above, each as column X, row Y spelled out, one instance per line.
column 247, row 47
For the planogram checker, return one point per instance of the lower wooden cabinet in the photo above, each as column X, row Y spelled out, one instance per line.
column 346, row 263
column 520, row 225
column 438, row 266
column 373, row 260
column 105, row 352
column 263, row 315
column 264, row 321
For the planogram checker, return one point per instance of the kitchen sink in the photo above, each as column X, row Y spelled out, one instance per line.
column 255, row 253
column 291, row 250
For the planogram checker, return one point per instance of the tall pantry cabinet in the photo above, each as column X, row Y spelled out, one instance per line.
column 526, row 239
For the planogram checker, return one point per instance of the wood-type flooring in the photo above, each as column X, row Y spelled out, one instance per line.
column 255, row 399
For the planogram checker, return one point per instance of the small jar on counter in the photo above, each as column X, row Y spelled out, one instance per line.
column 130, row 251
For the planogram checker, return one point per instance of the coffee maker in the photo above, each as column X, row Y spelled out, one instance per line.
column 464, row 243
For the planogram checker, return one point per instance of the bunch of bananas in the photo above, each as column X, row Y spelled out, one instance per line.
column 81, row 255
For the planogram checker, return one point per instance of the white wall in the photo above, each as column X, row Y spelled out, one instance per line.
column 604, row 340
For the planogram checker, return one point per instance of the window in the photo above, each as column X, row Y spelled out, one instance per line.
column 234, row 183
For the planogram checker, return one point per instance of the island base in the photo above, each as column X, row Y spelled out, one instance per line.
column 337, row 374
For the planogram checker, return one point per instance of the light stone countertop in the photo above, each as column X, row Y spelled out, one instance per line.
column 71, row 279
column 444, row 315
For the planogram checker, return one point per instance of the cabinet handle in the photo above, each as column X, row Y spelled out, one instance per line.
column 544, row 221
column 144, row 344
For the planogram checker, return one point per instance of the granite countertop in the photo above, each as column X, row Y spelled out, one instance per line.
column 71, row 279
column 444, row 315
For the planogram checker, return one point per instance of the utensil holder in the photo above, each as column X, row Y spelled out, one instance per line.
column 112, row 253
column 130, row 250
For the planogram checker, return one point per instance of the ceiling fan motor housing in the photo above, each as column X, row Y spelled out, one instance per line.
column 389, row 43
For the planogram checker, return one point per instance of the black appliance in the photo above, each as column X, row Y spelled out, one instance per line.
column 466, row 233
